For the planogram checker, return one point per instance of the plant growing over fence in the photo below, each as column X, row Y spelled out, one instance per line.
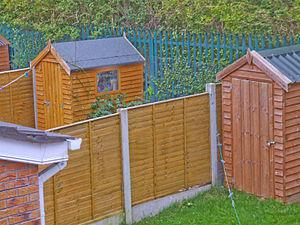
column 181, row 79
column 108, row 104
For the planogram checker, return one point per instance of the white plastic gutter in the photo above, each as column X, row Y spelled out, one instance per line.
column 49, row 172
column 43, row 177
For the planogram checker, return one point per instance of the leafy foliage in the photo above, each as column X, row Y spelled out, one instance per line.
column 108, row 104
column 57, row 18
column 181, row 80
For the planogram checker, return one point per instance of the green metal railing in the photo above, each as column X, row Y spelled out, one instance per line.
column 162, row 49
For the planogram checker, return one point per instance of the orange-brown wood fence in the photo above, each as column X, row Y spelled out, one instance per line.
column 16, row 104
column 169, row 152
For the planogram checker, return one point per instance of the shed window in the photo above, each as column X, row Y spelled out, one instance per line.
column 107, row 81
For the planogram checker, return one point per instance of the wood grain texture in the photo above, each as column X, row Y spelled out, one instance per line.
column 84, row 87
column 16, row 105
column 292, row 145
column 169, row 147
column 249, row 122
column 63, row 99
column 90, row 188
column 4, row 58
column 279, row 130
column 169, row 152
column 227, row 129
column 54, row 94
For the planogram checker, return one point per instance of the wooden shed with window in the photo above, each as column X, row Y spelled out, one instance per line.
column 68, row 76
column 4, row 54
column 261, row 123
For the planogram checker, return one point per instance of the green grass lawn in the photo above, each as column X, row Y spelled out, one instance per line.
column 214, row 208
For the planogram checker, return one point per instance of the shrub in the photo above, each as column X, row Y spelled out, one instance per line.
column 181, row 80
column 108, row 104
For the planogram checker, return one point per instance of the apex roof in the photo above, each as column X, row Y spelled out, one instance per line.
column 280, row 64
column 90, row 54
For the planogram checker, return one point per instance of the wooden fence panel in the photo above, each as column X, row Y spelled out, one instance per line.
column 90, row 188
column 16, row 105
column 72, row 186
column 197, row 134
column 106, row 166
column 169, row 152
column 169, row 147
column 140, row 122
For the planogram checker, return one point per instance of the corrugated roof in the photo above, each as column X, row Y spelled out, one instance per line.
column 286, row 60
column 22, row 133
column 97, row 53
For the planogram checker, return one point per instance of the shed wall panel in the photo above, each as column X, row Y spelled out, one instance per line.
column 279, row 98
column 85, row 89
column 4, row 58
column 292, row 145
column 227, row 126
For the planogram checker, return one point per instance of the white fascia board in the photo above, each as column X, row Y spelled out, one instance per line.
column 34, row 153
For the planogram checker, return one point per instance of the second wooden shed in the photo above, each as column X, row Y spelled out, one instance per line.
column 261, row 123
column 4, row 54
column 68, row 76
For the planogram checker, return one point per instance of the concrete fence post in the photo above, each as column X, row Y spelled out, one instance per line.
column 126, row 165
column 211, row 89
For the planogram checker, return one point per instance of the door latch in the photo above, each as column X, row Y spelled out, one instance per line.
column 270, row 143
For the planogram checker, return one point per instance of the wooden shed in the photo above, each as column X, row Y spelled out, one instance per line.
column 4, row 54
column 261, row 123
column 68, row 76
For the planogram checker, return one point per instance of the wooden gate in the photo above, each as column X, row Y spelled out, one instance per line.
column 252, row 111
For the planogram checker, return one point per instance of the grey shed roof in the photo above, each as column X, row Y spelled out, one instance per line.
column 286, row 60
column 21, row 133
column 98, row 53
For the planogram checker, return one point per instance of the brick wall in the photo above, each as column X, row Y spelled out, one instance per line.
column 19, row 196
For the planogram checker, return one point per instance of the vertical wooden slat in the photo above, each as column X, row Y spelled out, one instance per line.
column 255, row 147
column 246, row 126
column 90, row 138
column 264, row 134
column 271, row 138
column 154, row 152
column 185, row 143
column 237, row 137
column 11, row 101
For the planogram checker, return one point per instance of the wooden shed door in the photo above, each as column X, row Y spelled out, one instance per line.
column 53, row 99
column 252, row 110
